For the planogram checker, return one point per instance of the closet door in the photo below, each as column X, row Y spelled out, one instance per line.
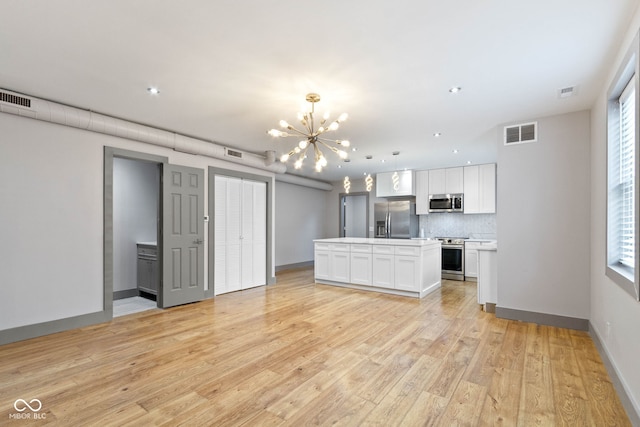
column 227, row 256
column 240, row 258
column 254, row 215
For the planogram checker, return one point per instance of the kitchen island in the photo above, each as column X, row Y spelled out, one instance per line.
column 396, row 266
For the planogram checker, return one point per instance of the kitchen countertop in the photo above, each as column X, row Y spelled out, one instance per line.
column 374, row 241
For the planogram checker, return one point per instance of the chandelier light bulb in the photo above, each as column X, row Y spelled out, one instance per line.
column 343, row 117
column 296, row 150
column 342, row 154
column 300, row 116
column 298, row 164
column 284, row 158
column 326, row 115
column 334, row 126
column 303, row 144
column 344, row 143
column 274, row 132
column 318, row 167
column 284, row 124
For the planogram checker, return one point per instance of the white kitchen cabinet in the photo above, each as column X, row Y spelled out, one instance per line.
column 408, row 268
column 406, row 184
column 361, row 267
column 471, row 260
column 454, row 178
column 322, row 264
column 340, row 266
column 383, row 267
column 422, row 192
column 480, row 189
column 446, row 181
column 407, row 273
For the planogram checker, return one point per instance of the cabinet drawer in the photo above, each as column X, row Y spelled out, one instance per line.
column 407, row 250
column 379, row 249
column 361, row 249
column 148, row 251
column 340, row 247
column 322, row 246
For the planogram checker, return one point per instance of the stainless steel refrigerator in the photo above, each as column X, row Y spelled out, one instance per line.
column 396, row 219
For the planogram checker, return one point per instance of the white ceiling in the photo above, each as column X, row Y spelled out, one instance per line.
column 230, row 70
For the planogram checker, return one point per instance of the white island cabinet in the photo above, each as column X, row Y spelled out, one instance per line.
column 396, row 266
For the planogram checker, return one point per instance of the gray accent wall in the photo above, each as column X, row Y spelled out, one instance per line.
column 136, row 188
column 299, row 219
column 543, row 219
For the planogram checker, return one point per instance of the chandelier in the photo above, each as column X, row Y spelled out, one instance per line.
column 313, row 136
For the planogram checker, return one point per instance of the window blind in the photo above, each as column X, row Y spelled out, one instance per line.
column 627, row 175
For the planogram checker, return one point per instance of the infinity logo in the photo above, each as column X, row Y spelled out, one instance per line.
column 18, row 404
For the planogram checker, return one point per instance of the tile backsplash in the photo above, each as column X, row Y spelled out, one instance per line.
column 476, row 226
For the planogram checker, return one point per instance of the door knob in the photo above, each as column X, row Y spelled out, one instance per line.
column 198, row 241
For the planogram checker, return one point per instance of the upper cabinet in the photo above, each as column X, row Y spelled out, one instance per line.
column 446, row 181
column 480, row 189
column 385, row 186
column 422, row 192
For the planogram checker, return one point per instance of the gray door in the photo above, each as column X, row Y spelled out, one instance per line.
column 182, row 236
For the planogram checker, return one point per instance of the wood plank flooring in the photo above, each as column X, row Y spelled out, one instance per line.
column 297, row 353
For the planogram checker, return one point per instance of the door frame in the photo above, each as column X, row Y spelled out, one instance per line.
column 341, row 221
column 109, row 154
column 212, row 172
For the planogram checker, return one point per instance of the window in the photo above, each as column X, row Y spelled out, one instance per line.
column 622, row 183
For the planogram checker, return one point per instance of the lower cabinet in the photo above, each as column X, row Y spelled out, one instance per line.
column 382, row 266
column 148, row 278
column 407, row 274
column 361, row 264
column 471, row 260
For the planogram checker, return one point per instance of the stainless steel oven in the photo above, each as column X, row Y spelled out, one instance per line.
column 452, row 258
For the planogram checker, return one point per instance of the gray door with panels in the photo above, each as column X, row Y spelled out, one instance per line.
column 182, row 235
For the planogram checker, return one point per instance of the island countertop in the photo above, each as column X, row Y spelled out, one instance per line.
column 379, row 241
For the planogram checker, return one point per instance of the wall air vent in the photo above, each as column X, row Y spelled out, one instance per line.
column 520, row 134
column 20, row 101
column 233, row 153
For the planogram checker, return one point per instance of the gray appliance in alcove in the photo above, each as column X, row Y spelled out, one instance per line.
column 396, row 219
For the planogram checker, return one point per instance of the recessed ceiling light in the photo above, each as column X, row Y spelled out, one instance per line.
column 455, row 151
column 153, row 90
column 339, row 166
column 468, row 162
column 354, row 149
column 455, row 89
column 437, row 134
column 382, row 161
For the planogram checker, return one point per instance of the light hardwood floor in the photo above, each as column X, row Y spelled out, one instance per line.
column 297, row 353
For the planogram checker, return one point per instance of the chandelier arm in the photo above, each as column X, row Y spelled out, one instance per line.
column 299, row 132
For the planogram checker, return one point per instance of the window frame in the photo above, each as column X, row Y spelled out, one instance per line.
column 628, row 73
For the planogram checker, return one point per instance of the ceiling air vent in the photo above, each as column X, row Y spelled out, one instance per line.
column 233, row 153
column 568, row 91
column 520, row 134
column 20, row 101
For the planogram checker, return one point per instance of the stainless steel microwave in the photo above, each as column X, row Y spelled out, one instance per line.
column 446, row 203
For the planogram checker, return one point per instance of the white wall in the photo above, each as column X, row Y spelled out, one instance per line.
column 299, row 218
column 136, row 187
column 52, row 217
column 609, row 303
column 543, row 219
